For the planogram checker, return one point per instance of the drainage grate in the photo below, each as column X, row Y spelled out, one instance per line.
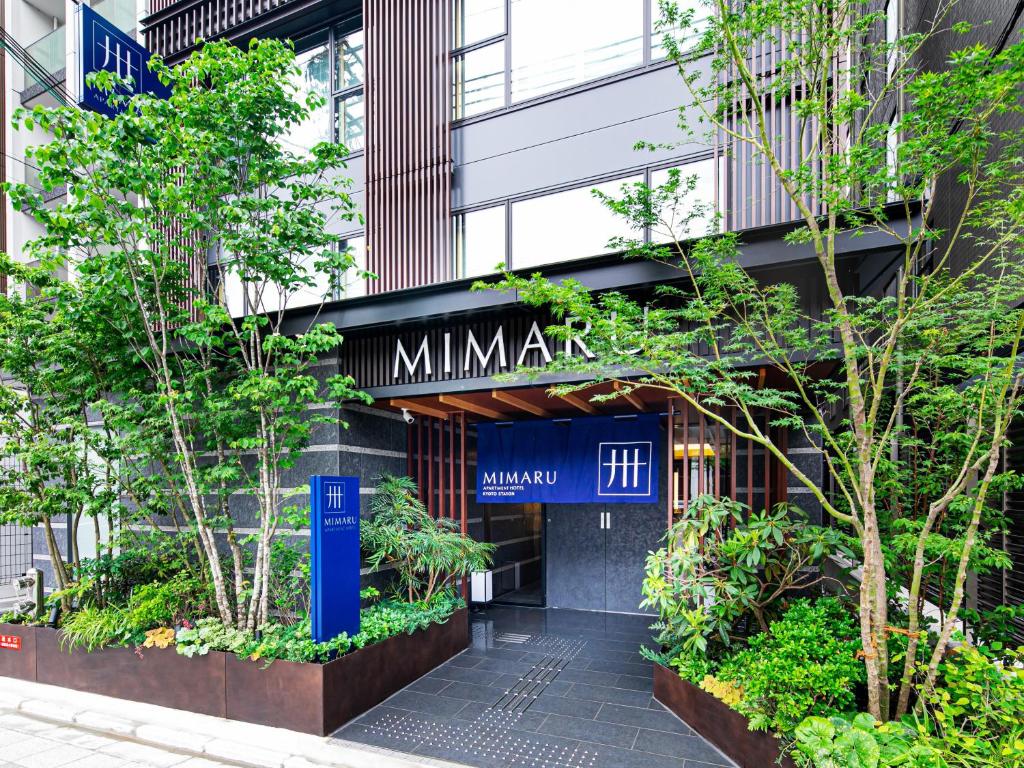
column 511, row 637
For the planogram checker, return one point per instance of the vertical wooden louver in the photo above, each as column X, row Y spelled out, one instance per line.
column 408, row 147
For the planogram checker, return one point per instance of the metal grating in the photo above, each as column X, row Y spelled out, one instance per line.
column 15, row 551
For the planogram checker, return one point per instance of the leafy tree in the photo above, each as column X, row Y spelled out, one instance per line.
column 153, row 193
column 909, row 391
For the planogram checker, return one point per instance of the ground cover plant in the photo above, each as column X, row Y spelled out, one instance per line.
column 179, row 609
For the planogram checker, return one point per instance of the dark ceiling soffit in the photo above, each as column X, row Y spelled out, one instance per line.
column 603, row 273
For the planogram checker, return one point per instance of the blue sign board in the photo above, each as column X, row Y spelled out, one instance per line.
column 102, row 46
column 334, row 556
column 603, row 459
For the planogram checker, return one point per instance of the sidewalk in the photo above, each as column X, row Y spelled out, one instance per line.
column 102, row 731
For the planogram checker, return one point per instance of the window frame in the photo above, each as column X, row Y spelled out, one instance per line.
column 645, row 172
column 333, row 34
column 459, row 52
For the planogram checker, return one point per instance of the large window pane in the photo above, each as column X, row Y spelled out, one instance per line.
column 480, row 81
column 693, row 212
column 350, row 121
column 314, row 77
column 479, row 241
column 558, row 44
column 698, row 24
column 477, row 20
column 349, row 67
column 565, row 226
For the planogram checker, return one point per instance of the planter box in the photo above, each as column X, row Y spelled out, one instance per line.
column 313, row 698
column 717, row 722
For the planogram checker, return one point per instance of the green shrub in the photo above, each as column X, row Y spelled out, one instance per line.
column 974, row 718
column 428, row 554
column 806, row 664
column 722, row 573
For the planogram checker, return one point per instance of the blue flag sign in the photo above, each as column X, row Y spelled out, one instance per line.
column 603, row 459
column 104, row 47
column 334, row 556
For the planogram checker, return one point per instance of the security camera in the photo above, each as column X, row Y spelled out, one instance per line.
column 407, row 417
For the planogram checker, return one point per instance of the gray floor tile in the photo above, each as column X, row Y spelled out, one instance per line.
column 557, row 705
column 607, row 694
column 622, row 668
column 429, row 685
column 590, row 677
column 472, row 692
column 678, row 745
column 425, row 703
column 634, row 683
column 590, row 731
column 643, row 718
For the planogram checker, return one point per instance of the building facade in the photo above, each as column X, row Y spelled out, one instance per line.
column 478, row 129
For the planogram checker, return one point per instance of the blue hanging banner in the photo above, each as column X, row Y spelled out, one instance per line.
column 104, row 47
column 334, row 556
column 603, row 459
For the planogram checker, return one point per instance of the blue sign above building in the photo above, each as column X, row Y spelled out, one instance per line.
column 603, row 459
column 334, row 556
column 104, row 47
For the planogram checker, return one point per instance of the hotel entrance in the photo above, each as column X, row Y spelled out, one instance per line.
column 571, row 548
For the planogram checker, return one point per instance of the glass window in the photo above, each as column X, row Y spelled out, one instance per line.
column 696, row 27
column 351, row 283
column 349, row 67
column 558, row 44
column 480, row 81
column 692, row 214
column 314, row 77
column 477, row 20
column 565, row 226
column 350, row 121
column 478, row 241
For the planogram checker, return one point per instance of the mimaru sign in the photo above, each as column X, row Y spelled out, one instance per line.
column 490, row 353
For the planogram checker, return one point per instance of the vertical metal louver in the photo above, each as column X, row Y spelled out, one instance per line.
column 408, row 148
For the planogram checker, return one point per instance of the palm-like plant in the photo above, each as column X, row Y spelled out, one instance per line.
column 428, row 554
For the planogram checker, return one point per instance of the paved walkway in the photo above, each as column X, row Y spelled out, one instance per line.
column 43, row 726
column 540, row 688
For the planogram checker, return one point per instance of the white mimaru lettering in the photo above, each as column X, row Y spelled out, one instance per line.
column 577, row 340
column 401, row 356
column 534, row 340
column 497, row 343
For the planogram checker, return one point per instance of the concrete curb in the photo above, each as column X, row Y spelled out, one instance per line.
column 194, row 735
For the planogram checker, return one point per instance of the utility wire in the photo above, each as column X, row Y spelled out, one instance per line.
column 34, row 69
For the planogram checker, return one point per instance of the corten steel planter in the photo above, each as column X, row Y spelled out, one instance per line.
column 313, row 698
column 717, row 722
column 320, row 698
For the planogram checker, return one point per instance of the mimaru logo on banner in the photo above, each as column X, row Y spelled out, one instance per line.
column 624, row 469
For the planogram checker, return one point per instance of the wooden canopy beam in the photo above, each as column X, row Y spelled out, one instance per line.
column 575, row 400
column 420, row 408
column 629, row 397
column 510, row 398
column 471, row 407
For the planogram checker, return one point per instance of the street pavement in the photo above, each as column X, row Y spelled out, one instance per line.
column 43, row 726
